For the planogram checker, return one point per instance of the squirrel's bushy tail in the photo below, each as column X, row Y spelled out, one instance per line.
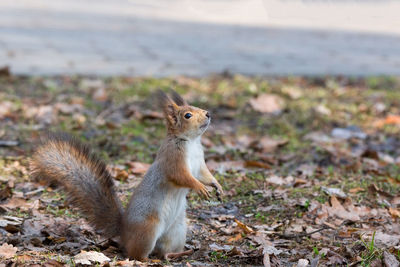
column 88, row 184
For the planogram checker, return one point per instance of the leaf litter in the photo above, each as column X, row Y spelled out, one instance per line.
column 311, row 175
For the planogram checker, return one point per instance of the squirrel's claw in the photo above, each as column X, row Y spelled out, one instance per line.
column 219, row 190
column 202, row 190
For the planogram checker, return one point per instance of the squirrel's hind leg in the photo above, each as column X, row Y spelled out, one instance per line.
column 174, row 239
column 140, row 239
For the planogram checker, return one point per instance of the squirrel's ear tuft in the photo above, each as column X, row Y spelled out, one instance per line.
column 177, row 98
column 168, row 106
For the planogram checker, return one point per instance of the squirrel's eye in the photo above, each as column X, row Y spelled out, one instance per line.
column 188, row 115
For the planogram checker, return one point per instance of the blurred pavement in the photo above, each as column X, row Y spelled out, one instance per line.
column 198, row 37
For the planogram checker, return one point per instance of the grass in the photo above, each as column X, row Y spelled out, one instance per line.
column 372, row 252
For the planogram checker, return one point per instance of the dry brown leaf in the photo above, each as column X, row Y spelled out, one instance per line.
column 394, row 212
column 292, row 92
column 373, row 188
column 225, row 165
column 100, row 95
column 278, row 180
column 5, row 193
column 356, row 190
column 256, row 164
column 393, row 181
column 387, row 240
column 20, row 203
column 8, row 251
column 235, row 238
column 244, row 227
column 268, row 144
column 336, row 209
column 5, row 109
column 5, row 71
column 390, row 260
column 52, row 263
column 267, row 103
column 138, row 167
column 390, row 119
column 299, row 182
column 216, row 247
column 68, row 109
column 90, row 257
column 122, row 175
column 395, row 201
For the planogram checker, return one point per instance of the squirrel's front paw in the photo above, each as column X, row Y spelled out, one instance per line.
column 203, row 191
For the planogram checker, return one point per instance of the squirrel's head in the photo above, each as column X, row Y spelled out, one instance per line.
column 183, row 120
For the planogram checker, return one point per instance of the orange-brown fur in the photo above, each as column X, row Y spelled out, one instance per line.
column 175, row 169
column 138, row 235
column 154, row 220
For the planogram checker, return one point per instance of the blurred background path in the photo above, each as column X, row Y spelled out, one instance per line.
column 198, row 37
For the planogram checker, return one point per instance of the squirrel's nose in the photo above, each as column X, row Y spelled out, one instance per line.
column 208, row 114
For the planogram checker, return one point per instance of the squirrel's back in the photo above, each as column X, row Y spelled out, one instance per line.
column 88, row 184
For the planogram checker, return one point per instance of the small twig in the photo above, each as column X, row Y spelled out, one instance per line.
column 266, row 260
column 8, row 143
column 290, row 236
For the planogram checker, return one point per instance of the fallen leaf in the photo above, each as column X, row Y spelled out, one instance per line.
column 122, row 175
column 387, row 240
column 256, row 164
column 52, row 263
column 390, row 260
column 356, row 190
column 302, row 263
column 334, row 191
column 299, row 182
column 395, row 201
column 45, row 114
column 393, row 181
column 68, row 109
column 5, row 71
column 5, row 193
column 138, row 167
column 323, row 110
column 394, row 212
column 11, row 224
column 335, row 260
column 100, row 95
column 276, row 180
column 235, row 238
column 6, row 108
column 267, row 144
column 336, row 209
column 8, row 143
column 216, row 247
column 389, row 120
column 348, row 132
column 373, row 189
column 267, row 103
column 20, row 203
column 292, row 92
column 222, row 167
column 90, row 257
column 244, row 227
column 7, row 251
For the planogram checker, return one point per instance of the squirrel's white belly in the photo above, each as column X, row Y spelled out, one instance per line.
column 174, row 206
column 194, row 156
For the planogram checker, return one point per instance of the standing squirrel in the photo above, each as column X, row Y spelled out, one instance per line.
column 154, row 222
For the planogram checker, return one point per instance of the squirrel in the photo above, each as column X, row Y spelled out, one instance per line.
column 154, row 221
